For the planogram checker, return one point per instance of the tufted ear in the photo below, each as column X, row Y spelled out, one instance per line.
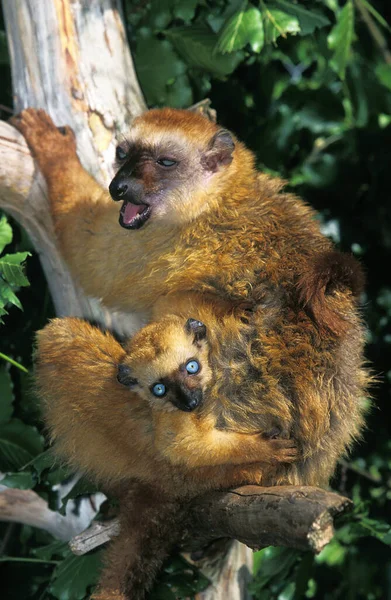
column 219, row 151
column 318, row 286
column 197, row 328
column 124, row 376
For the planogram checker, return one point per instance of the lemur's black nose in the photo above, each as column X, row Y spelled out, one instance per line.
column 118, row 189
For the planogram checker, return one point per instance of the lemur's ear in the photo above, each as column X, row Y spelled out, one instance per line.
column 219, row 151
column 197, row 328
column 331, row 274
column 124, row 376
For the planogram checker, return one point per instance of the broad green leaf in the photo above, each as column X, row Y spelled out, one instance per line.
column 185, row 10
column 178, row 93
column 196, row 45
column 278, row 23
column 244, row 27
column 383, row 72
column 2, row 313
column 8, row 296
column 161, row 13
column 54, row 550
column 6, row 395
column 309, row 20
column 42, row 462
column 19, row 443
column 12, row 270
column 47, row 467
column 341, row 38
column 21, row 481
column 73, row 577
column 5, row 233
column 157, row 78
column 333, row 554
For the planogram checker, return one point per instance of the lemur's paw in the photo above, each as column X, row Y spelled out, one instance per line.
column 285, row 451
column 45, row 140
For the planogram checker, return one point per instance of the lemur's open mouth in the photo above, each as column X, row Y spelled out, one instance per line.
column 133, row 216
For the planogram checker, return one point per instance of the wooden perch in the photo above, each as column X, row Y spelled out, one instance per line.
column 295, row 516
column 26, row 507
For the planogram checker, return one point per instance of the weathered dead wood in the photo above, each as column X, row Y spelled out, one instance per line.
column 295, row 516
column 26, row 507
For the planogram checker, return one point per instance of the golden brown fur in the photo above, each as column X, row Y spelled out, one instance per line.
column 123, row 441
column 227, row 234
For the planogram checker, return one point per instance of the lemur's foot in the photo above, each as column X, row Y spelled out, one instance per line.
column 285, row 451
column 47, row 142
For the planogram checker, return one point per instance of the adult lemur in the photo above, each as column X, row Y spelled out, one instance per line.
column 201, row 224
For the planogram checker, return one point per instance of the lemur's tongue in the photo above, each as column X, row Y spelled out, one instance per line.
column 130, row 211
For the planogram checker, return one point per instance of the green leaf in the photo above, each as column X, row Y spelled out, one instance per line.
column 341, row 38
column 383, row 72
column 54, row 550
column 185, row 10
column 21, row 481
column 159, row 79
column 5, row 233
column 6, row 395
column 333, row 554
column 11, row 268
column 73, row 577
column 309, row 20
column 44, row 461
column 19, row 443
column 278, row 23
column 244, row 27
column 7, row 295
column 196, row 45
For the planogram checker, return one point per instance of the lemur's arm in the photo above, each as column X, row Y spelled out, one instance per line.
column 195, row 442
column 85, row 218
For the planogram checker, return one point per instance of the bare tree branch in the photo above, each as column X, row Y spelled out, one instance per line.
column 298, row 517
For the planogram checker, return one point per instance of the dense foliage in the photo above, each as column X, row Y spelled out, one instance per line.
column 307, row 85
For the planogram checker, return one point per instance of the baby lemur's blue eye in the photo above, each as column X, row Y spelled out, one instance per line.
column 166, row 162
column 192, row 367
column 159, row 390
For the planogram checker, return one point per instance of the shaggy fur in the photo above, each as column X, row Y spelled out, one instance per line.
column 154, row 457
column 286, row 337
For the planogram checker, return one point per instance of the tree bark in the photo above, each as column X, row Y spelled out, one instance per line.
column 298, row 517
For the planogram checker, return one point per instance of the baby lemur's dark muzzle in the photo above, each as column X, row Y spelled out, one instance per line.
column 186, row 399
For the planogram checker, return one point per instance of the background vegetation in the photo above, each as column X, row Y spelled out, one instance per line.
column 307, row 85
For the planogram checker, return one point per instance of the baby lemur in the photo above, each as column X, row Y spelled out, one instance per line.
column 122, row 415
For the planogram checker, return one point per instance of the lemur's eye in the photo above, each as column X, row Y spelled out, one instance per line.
column 159, row 390
column 192, row 367
column 120, row 153
column 166, row 162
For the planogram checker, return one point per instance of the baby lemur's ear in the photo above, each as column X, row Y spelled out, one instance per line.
column 333, row 276
column 219, row 151
column 124, row 376
column 197, row 328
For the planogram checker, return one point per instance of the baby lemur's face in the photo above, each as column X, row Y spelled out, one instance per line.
column 167, row 364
